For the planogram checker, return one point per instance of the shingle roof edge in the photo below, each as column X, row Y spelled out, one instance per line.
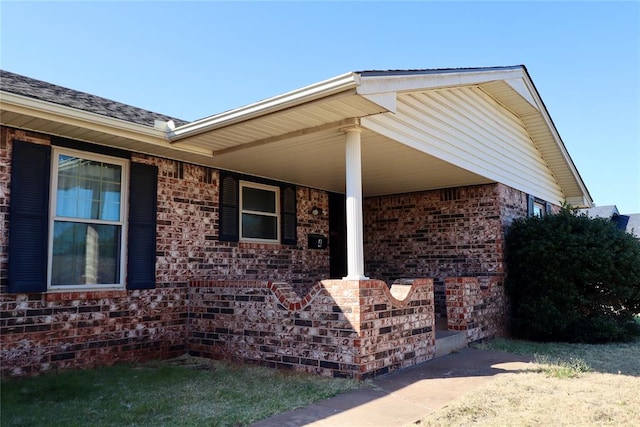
column 44, row 91
column 376, row 73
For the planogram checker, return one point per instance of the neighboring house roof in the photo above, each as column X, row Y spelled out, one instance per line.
column 629, row 223
column 601, row 211
column 38, row 89
column 420, row 129
column 633, row 224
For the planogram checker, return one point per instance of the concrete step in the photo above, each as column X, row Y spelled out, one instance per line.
column 449, row 342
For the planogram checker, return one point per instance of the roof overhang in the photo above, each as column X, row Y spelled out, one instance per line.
column 23, row 112
column 287, row 128
column 298, row 137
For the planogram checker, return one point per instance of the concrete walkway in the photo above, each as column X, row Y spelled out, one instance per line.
column 406, row 396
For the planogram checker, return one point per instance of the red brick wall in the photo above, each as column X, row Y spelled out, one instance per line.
column 513, row 204
column 81, row 329
column 477, row 306
column 341, row 328
column 436, row 234
column 425, row 235
column 188, row 247
column 441, row 233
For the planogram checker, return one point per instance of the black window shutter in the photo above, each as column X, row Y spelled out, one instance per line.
column 229, row 208
column 289, row 211
column 141, row 251
column 29, row 217
column 530, row 202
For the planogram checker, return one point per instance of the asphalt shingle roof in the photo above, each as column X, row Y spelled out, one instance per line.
column 38, row 89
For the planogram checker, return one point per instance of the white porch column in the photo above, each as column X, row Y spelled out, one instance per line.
column 355, row 246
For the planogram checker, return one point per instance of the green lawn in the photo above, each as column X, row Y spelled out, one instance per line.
column 189, row 391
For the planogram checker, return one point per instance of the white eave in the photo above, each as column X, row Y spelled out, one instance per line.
column 297, row 136
column 336, row 85
column 23, row 112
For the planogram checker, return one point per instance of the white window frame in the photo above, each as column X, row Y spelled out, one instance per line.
column 276, row 214
column 122, row 222
column 542, row 208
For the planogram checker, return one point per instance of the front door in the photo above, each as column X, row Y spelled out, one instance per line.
column 337, row 236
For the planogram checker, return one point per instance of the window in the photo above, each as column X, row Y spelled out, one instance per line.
column 538, row 207
column 259, row 212
column 88, row 205
column 75, row 215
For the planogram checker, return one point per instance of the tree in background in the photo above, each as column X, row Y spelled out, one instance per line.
column 572, row 278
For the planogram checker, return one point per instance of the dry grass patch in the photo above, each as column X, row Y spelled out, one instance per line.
column 569, row 385
column 534, row 398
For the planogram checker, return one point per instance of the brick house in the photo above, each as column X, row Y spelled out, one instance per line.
column 332, row 229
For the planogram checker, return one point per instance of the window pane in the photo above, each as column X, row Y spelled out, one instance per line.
column 538, row 209
column 85, row 254
column 259, row 227
column 88, row 189
column 256, row 199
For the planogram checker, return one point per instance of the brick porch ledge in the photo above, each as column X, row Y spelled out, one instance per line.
column 353, row 328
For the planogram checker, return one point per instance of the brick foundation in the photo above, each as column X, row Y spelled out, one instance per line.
column 42, row 332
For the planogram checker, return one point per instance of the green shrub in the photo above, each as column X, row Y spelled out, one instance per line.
column 571, row 278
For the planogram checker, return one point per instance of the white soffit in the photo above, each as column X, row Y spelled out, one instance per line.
column 523, row 90
column 386, row 100
column 333, row 110
column 295, row 98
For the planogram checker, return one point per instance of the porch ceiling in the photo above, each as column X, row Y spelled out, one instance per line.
column 318, row 161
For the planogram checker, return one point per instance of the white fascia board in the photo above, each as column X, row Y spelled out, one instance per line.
column 306, row 94
column 585, row 198
column 432, row 80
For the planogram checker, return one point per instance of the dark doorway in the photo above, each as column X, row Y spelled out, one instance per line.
column 337, row 236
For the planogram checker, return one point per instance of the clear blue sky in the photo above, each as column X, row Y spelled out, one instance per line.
column 194, row 59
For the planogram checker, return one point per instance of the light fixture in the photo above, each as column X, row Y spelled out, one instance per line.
column 315, row 211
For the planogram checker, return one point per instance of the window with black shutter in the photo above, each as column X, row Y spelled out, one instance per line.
column 68, row 220
column 260, row 212
column 537, row 207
